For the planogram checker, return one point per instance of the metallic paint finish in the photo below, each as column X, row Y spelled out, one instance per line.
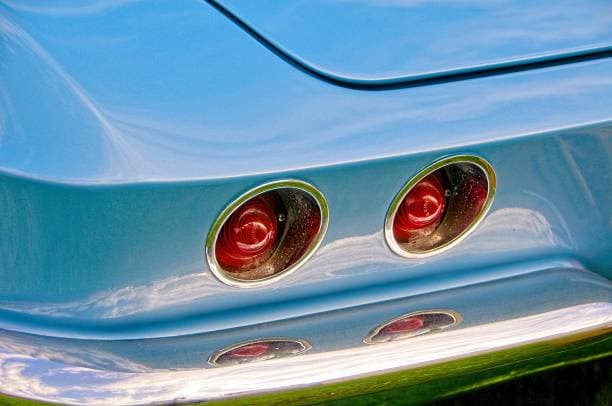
column 373, row 44
column 127, row 127
column 104, row 214
column 216, row 228
column 487, row 169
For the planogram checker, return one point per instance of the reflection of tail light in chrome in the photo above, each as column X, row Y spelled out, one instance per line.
column 250, row 351
column 405, row 325
column 259, row 350
column 412, row 325
column 440, row 205
column 266, row 233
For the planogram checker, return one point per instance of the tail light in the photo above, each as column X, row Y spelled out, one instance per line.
column 259, row 350
column 266, row 233
column 249, row 236
column 413, row 324
column 440, row 205
column 421, row 210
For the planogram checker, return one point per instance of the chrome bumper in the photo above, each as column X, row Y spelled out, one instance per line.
column 570, row 333
column 346, row 372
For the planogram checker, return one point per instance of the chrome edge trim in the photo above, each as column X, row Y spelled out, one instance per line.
column 457, row 319
column 433, row 356
column 212, row 360
column 491, row 188
column 211, row 239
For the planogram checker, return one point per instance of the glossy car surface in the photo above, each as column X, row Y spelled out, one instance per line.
column 126, row 128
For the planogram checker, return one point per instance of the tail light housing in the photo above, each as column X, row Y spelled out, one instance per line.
column 440, row 205
column 267, row 233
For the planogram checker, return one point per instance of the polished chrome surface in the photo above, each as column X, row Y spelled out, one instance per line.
column 211, row 241
column 481, row 163
column 36, row 377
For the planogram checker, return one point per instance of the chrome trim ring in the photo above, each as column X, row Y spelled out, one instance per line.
column 457, row 319
column 305, row 346
column 211, row 240
column 488, row 171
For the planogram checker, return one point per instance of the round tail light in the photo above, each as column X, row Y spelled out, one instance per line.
column 440, row 205
column 266, row 233
column 249, row 236
column 421, row 210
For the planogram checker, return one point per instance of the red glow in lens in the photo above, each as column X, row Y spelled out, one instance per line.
column 248, row 236
column 407, row 325
column 423, row 206
column 250, row 350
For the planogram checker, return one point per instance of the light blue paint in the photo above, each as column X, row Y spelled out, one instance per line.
column 127, row 127
column 372, row 43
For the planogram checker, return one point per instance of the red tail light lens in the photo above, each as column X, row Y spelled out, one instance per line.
column 440, row 205
column 249, row 235
column 423, row 207
column 266, row 234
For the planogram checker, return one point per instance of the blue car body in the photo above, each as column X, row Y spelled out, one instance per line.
column 127, row 127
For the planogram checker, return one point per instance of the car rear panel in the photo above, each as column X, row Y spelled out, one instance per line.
column 127, row 129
